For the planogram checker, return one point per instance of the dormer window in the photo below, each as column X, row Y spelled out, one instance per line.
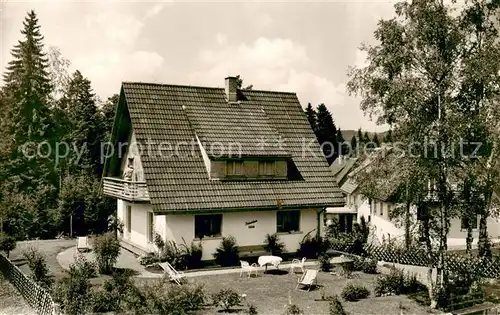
column 267, row 168
column 234, row 168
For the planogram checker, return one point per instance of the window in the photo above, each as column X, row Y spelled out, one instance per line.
column 465, row 223
column 267, row 168
column 151, row 228
column 381, row 205
column 288, row 221
column 207, row 225
column 129, row 219
column 234, row 168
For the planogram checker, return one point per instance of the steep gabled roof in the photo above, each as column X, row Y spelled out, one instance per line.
column 179, row 182
column 341, row 168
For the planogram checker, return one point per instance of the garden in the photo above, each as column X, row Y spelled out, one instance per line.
column 99, row 286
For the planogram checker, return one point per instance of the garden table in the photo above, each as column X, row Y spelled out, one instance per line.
column 269, row 260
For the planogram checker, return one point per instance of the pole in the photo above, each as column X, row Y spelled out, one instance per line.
column 71, row 226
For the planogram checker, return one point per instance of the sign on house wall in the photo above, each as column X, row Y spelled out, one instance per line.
column 251, row 224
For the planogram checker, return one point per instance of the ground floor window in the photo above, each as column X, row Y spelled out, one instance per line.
column 346, row 222
column 207, row 225
column 288, row 221
column 151, row 228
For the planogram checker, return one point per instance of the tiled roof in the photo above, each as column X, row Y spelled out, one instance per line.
column 340, row 169
column 180, row 182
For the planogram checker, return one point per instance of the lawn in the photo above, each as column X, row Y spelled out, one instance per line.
column 49, row 248
column 269, row 293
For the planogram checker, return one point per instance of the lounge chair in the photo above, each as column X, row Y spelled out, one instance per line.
column 246, row 267
column 172, row 274
column 297, row 264
column 308, row 279
column 82, row 244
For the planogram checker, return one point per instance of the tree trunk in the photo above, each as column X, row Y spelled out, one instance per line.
column 407, row 226
column 428, row 246
column 484, row 246
column 469, row 239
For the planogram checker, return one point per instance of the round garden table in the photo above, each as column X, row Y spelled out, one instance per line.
column 270, row 260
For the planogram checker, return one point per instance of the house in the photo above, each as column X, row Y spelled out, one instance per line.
column 348, row 215
column 200, row 163
column 378, row 207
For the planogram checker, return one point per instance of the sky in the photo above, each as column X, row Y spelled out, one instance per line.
column 302, row 47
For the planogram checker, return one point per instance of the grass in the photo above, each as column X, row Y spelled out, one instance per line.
column 49, row 248
column 269, row 293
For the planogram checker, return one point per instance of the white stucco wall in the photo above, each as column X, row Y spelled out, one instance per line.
column 139, row 228
column 233, row 224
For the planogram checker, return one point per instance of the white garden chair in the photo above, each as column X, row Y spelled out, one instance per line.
column 172, row 274
column 246, row 267
column 308, row 279
column 297, row 264
column 82, row 244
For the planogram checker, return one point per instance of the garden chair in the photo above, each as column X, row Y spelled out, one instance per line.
column 246, row 267
column 297, row 264
column 308, row 279
column 82, row 244
column 172, row 274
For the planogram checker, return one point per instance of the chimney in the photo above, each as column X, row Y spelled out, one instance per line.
column 232, row 89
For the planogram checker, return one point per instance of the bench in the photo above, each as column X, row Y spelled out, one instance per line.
column 252, row 250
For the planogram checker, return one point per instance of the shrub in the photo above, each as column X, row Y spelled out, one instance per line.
column 292, row 309
column 369, row 266
column 107, row 250
column 38, row 266
column 311, row 247
column 161, row 297
column 252, row 310
column 226, row 298
column 397, row 282
column 7, row 243
column 193, row 254
column 336, row 307
column 175, row 255
column 324, row 262
column 113, row 294
column 88, row 268
column 73, row 291
column 148, row 259
column 159, row 243
column 273, row 244
column 226, row 254
column 352, row 292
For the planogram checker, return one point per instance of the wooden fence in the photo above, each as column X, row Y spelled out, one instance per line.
column 486, row 268
column 37, row 297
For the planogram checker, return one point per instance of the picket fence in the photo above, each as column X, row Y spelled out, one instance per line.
column 486, row 268
column 36, row 297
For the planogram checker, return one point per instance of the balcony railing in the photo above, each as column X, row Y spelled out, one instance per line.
column 127, row 190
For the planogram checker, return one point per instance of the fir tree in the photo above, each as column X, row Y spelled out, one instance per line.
column 28, row 118
column 360, row 136
column 311, row 116
column 354, row 143
column 81, row 111
column 326, row 132
column 375, row 140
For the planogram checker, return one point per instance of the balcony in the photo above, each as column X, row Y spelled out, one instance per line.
column 126, row 190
